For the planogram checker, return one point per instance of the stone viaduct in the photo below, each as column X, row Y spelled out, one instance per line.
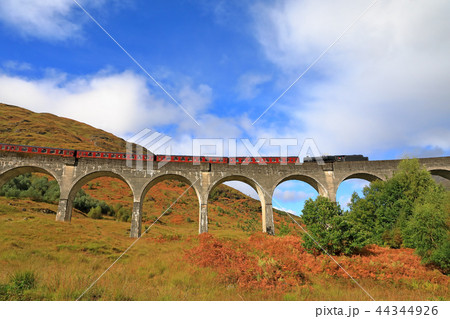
column 71, row 174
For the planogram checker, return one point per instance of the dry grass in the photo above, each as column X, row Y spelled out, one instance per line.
column 66, row 258
column 21, row 126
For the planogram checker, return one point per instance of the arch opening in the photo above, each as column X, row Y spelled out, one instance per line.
column 235, row 203
column 289, row 197
column 353, row 183
column 292, row 194
column 176, row 197
column 318, row 187
column 30, row 183
column 441, row 176
column 17, row 171
column 101, row 195
column 347, row 188
column 441, row 172
column 364, row 176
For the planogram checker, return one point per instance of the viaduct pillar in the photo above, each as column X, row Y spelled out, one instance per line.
column 65, row 205
column 136, row 220
column 203, row 194
column 203, row 218
column 267, row 219
column 64, row 213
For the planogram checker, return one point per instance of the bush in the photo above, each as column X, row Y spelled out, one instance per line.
column 28, row 186
column 42, row 190
column 410, row 210
column 428, row 229
column 249, row 225
column 95, row 213
column 123, row 215
column 382, row 215
column 328, row 227
column 441, row 256
column 85, row 203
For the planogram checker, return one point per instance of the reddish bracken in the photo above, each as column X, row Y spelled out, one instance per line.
column 281, row 262
column 237, row 264
column 177, row 220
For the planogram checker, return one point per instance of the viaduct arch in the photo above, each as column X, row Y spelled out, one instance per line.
column 71, row 174
column 445, row 173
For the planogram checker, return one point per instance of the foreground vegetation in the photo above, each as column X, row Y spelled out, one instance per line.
column 171, row 262
column 408, row 210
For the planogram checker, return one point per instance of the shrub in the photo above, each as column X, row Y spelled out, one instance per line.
column 95, row 213
column 123, row 215
column 383, row 213
column 440, row 257
column 85, row 203
column 428, row 229
column 329, row 227
column 410, row 210
column 36, row 188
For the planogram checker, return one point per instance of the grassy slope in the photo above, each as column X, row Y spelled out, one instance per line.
column 21, row 126
column 171, row 262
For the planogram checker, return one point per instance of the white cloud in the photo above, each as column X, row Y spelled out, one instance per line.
column 17, row 66
column 120, row 103
column 344, row 201
column 290, row 211
column 195, row 100
column 356, row 183
column 248, row 85
column 291, row 195
column 424, row 152
column 45, row 19
column 382, row 86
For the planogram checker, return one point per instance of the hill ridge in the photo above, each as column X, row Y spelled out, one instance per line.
column 21, row 126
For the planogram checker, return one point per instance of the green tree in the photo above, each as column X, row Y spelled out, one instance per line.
column 428, row 229
column 382, row 214
column 328, row 226
column 364, row 214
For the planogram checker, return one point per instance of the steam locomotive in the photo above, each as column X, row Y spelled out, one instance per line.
column 175, row 158
column 337, row 158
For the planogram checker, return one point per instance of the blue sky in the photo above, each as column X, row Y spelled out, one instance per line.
column 381, row 90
